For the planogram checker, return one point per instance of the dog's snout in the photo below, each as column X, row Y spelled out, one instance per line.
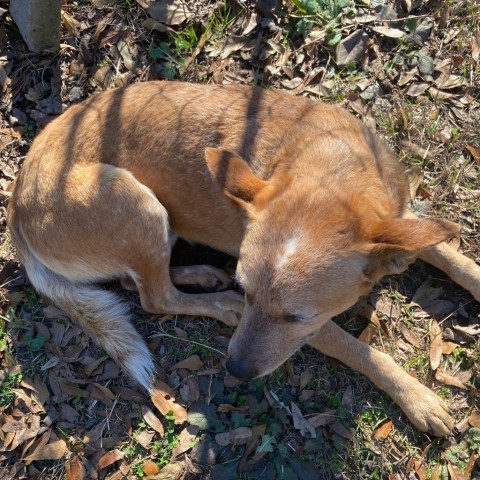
column 241, row 369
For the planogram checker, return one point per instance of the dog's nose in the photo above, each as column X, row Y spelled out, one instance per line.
column 241, row 370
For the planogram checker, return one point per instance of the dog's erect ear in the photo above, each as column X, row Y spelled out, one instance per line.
column 397, row 242
column 234, row 176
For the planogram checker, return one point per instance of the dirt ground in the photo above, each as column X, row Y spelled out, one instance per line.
column 410, row 70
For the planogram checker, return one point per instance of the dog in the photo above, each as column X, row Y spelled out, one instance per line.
column 312, row 203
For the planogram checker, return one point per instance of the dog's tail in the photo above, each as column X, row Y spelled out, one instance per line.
column 100, row 313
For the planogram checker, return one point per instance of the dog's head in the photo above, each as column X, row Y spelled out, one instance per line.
column 307, row 256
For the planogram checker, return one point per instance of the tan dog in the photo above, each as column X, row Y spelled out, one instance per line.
column 309, row 199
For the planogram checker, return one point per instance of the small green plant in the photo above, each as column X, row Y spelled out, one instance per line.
column 326, row 13
column 163, row 448
column 185, row 40
column 11, row 381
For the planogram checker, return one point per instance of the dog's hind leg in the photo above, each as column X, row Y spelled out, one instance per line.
column 461, row 269
column 424, row 408
column 204, row 276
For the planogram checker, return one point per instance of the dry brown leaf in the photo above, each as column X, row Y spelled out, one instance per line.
column 447, row 379
column 293, row 379
column 300, row 423
column 150, row 468
column 226, row 407
column 163, row 398
column 191, row 363
column 409, row 335
column 455, row 472
column 435, row 345
column 52, row 451
column 170, row 12
column 75, row 469
column 340, row 429
column 110, row 458
column 144, row 438
column 230, row 381
column 417, row 88
column 475, row 151
column 471, row 463
column 323, row 418
column 367, row 334
column 476, row 46
column 389, row 32
column 436, row 472
column 448, row 347
column 73, row 26
column 152, row 420
column 239, row 436
column 383, row 431
column 185, row 439
column 305, row 378
column 368, row 312
column 474, row 419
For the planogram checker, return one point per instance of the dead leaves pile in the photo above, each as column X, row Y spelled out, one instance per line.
column 444, row 337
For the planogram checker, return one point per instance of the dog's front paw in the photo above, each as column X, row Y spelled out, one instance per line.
column 427, row 411
column 232, row 305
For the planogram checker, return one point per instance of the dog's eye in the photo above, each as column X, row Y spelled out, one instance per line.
column 292, row 319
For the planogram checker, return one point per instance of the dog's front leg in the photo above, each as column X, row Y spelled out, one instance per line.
column 424, row 408
column 461, row 269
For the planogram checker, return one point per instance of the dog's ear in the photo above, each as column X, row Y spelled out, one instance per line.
column 397, row 242
column 234, row 176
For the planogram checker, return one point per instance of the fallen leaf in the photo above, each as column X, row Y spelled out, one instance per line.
column 238, row 436
column 152, row 420
column 435, row 345
column 170, row 12
column 53, row 451
column 185, row 440
column 455, row 472
column 476, row 46
column 150, row 468
column 409, row 335
column 305, row 378
column 75, row 469
column 110, row 458
column 226, row 407
column 351, row 49
column 389, row 32
column 73, row 26
column 191, row 363
column 475, row 151
column 144, row 438
column 300, row 423
column 474, row 419
column 340, row 429
column 293, row 379
column 417, row 88
column 322, row 418
column 383, row 431
column 367, row 334
column 447, row 379
column 164, row 399
column 368, row 312
column 230, row 381
column 448, row 347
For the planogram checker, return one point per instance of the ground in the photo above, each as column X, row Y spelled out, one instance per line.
column 410, row 70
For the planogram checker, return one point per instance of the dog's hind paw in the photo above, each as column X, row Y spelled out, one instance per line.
column 428, row 412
